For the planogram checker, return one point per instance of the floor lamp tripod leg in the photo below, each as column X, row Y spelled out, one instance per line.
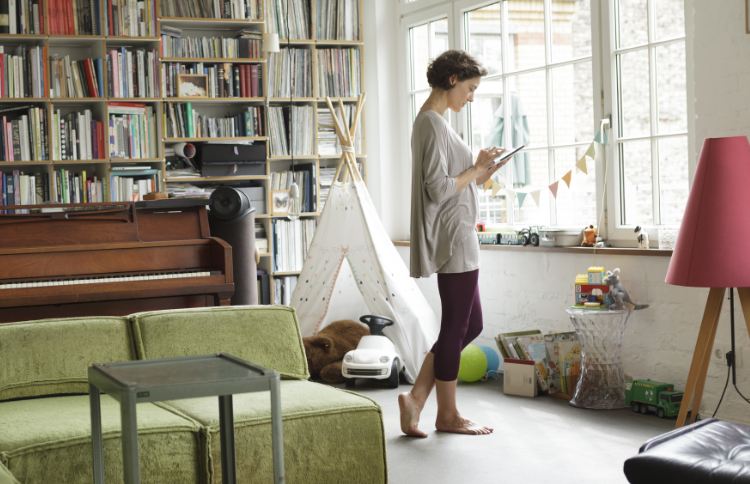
column 707, row 329
column 744, row 293
column 701, row 383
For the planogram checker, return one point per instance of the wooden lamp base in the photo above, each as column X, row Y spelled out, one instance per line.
column 702, row 356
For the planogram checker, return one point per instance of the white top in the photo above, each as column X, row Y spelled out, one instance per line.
column 443, row 223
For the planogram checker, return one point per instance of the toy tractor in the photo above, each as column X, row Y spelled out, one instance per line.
column 530, row 235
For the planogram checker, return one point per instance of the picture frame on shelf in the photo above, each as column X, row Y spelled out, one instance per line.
column 192, row 85
column 279, row 202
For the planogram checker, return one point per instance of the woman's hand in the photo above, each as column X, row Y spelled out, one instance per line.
column 485, row 164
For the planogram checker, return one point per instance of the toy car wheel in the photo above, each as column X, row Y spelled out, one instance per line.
column 636, row 407
column 644, row 409
column 534, row 239
column 393, row 379
column 524, row 240
column 349, row 382
column 660, row 413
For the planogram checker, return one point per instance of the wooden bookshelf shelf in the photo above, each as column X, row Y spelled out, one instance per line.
column 210, row 60
column 97, row 46
column 247, row 138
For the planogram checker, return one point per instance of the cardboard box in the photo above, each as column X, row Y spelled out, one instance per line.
column 519, row 378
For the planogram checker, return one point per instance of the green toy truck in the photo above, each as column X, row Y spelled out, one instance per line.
column 645, row 395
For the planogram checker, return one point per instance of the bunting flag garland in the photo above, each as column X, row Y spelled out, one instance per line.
column 601, row 137
column 566, row 178
column 535, row 195
column 581, row 165
column 553, row 188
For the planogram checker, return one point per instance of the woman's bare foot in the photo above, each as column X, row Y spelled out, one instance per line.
column 460, row 425
column 410, row 415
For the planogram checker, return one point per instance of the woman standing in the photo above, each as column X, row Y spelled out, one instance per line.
column 444, row 209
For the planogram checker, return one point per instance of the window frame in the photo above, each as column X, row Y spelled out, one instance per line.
column 603, row 57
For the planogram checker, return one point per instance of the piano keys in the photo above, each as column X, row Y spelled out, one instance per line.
column 111, row 259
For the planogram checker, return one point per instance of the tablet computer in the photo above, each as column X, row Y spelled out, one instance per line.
column 508, row 154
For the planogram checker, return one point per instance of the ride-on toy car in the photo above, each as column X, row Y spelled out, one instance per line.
column 375, row 356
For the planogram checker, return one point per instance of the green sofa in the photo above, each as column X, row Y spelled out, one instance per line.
column 330, row 435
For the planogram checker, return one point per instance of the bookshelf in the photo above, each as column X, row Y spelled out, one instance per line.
column 80, row 47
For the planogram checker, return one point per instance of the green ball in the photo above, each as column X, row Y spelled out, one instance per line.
column 473, row 364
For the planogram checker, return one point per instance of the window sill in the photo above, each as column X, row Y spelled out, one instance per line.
column 566, row 250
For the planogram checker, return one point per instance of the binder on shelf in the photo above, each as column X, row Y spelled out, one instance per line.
column 231, row 159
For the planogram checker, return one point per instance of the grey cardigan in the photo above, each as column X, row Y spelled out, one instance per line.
column 442, row 221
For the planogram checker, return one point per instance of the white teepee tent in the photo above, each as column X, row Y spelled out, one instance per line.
column 350, row 234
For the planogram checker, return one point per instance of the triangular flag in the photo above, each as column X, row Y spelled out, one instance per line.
column 511, row 193
column 605, row 142
column 535, row 196
column 598, row 138
column 553, row 188
column 500, row 181
column 591, row 153
column 488, row 184
column 566, row 178
column 582, row 164
column 521, row 197
column 495, row 188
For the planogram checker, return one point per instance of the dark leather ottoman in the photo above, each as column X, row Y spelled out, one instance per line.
column 709, row 451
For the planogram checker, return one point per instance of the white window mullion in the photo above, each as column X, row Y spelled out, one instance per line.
column 550, row 105
column 654, row 115
column 507, row 133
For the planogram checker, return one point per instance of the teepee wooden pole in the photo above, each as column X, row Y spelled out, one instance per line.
column 350, row 144
column 346, row 136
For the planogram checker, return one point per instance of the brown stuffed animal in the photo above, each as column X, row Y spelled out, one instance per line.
column 589, row 236
column 326, row 350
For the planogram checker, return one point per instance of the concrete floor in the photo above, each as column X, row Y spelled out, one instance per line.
column 536, row 440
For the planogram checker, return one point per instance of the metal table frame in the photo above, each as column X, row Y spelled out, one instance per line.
column 116, row 379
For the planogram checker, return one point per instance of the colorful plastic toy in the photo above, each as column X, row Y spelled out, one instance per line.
column 652, row 396
column 590, row 288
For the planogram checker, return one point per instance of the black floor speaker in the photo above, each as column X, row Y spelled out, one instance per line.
column 232, row 218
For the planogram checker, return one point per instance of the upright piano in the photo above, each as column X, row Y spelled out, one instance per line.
column 110, row 259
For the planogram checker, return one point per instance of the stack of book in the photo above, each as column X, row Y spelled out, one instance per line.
column 249, row 44
column 236, row 9
column 24, row 73
column 74, row 17
column 326, row 179
column 301, row 130
column 261, row 238
column 132, row 131
column 306, row 177
column 300, row 85
column 69, row 187
column 291, row 239
column 339, row 72
column 82, row 78
column 223, row 80
column 78, row 136
column 132, row 73
column 131, row 18
column 283, row 287
column 186, row 190
column 328, row 141
column 131, row 183
column 24, row 17
column 337, row 20
column 556, row 356
column 19, row 188
column 246, row 46
column 296, row 21
column 24, row 134
column 182, row 121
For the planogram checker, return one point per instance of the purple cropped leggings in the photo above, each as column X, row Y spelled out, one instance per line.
column 461, row 321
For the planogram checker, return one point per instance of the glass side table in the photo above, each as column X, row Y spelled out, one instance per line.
column 601, row 384
column 142, row 381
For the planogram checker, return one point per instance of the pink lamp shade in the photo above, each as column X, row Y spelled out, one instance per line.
column 713, row 247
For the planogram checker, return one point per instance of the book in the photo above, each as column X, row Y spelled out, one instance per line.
column 535, row 348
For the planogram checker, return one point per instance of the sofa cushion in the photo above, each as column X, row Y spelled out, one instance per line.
column 6, row 477
column 48, row 440
column 330, row 435
column 265, row 335
column 51, row 356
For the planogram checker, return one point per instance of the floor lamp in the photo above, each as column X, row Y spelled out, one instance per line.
column 719, row 203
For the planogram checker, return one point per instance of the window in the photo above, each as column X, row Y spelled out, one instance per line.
column 555, row 73
column 651, row 105
column 426, row 41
